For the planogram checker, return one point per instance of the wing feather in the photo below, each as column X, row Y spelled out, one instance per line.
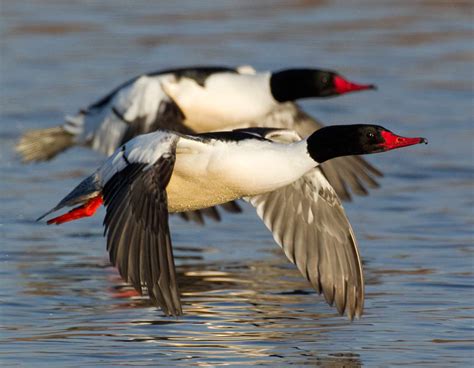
column 136, row 224
column 308, row 221
column 138, row 107
column 198, row 216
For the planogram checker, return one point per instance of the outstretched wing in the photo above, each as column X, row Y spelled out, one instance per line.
column 308, row 221
column 350, row 173
column 136, row 220
column 137, row 108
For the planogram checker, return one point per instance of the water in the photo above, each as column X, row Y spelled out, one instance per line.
column 244, row 304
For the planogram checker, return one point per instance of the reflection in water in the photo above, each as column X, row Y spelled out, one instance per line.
column 244, row 310
column 241, row 312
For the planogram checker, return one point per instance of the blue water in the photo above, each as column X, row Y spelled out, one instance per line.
column 245, row 305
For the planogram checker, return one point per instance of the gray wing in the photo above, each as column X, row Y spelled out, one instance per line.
column 308, row 221
column 138, row 238
column 350, row 173
column 345, row 174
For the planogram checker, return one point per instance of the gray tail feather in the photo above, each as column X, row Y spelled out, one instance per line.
column 87, row 189
column 44, row 144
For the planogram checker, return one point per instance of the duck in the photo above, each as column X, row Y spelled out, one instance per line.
column 275, row 170
column 187, row 100
column 200, row 99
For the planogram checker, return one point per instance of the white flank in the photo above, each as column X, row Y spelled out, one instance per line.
column 210, row 173
column 225, row 100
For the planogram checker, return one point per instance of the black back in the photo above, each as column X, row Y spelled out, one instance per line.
column 238, row 134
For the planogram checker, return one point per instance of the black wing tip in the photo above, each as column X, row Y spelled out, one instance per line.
column 199, row 216
column 170, row 310
column 192, row 216
column 232, row 207
column 176, row 313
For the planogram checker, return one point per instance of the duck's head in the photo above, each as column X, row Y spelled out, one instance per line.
column 293, row 84
column 347, row 140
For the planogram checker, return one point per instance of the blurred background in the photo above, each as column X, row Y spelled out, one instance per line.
column 244, row 304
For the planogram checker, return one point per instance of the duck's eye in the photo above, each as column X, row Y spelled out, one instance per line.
column 324, row 80
column 370, row 135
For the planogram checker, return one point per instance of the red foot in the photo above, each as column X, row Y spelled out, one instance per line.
column 87, row 209
column 126, row 294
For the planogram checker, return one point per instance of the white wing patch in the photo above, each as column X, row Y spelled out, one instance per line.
column 139, row 101
column 143, row 99
column 283, row 136
column 109, row 134
column 146, row 148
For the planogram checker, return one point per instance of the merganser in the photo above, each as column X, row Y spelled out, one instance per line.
column 201, row 99
column 195, row 99
column 274, row 170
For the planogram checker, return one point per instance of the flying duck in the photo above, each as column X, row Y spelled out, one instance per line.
column 274, row 170
column 186, row 100
column 201, row 99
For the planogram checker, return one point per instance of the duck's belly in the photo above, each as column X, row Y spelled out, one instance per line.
column 186, row 195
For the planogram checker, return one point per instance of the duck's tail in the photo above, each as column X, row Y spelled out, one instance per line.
column 44, row 144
